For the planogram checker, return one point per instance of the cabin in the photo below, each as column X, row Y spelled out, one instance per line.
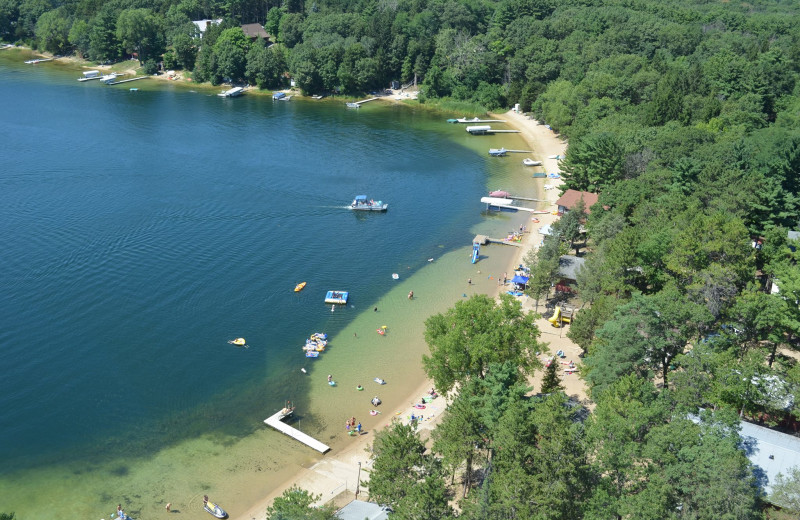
column 568, row 268
column 570, row 199
column 360, row 510
column 255, row 31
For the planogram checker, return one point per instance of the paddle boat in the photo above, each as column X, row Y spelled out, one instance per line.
column 498, row 152
column 239, row 342
column 531, row 162
column 299, row 287
column 213, row 508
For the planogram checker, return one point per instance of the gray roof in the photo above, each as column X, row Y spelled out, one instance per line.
column 360, row 510
column 569, row 265
column 770, row 452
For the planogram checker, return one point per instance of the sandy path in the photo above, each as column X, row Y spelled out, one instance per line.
column 339, row 471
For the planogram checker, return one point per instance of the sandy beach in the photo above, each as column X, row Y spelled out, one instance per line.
column 335, row 477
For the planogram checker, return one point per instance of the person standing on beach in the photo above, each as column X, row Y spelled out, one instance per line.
column 411, row 295
column 169, row 505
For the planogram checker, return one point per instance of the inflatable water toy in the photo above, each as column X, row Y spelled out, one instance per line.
column 380, row 381
column 336, row 296
column 376, row 401
column 352, row 433
column 299, row 287
column 312, row 353
column 303, row 370
column 419, row 406
column 359, row 388
column 381, row 331
column 332, row 383
column 395, row 276
column 374, row 412
column 239, row 342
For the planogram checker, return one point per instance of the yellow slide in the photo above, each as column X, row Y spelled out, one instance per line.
column 555, row 319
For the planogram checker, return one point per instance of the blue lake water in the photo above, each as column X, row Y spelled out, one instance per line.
column 142, row 230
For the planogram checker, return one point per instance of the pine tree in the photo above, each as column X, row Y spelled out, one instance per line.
column 551, row 382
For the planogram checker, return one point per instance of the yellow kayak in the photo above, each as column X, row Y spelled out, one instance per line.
column 299, row 287
column 238, row 341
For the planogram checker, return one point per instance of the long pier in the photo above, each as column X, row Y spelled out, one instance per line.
column 464, row 120
column 483, row 240
column 365, row 101
column 127, row 80
column 276, row 421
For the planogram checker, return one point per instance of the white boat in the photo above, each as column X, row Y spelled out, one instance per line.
column 317, row 96
column 110, row 78
column 361, row 203
column 353, row 105
column 531, row 162
column 498, row 152
column 90, row 75
column 233, row 92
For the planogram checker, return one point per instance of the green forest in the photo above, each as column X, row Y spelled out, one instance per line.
column 684, row 115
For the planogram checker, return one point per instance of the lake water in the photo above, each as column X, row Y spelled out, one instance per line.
column 142, row 230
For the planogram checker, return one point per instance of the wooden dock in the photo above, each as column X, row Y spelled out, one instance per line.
column 483, row 240
column 127, row 80
column 485, row 129
column 276, row 421
column 365, row 101
column 464, row 120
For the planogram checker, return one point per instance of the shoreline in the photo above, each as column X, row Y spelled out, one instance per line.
column 344, row 465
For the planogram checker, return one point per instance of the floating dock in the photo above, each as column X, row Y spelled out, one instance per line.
column 337, row 297
column 483, row 240
column 126, row 80
column 276, row 421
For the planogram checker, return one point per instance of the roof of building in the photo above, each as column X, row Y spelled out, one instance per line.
column 360, row 510
column 202, row 25
column 254, row 30
column 770, row 452
column 569, row 265
column 571, row 197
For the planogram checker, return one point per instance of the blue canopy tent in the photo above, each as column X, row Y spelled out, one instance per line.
column 520, row 280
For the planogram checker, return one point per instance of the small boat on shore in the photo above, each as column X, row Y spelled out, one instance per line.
column 214, row 509
column 360, row 203
column 110, row 78
column 353, row 105
column 278, row 96
column 498, row 152
column 531, row 162
column 299, row 287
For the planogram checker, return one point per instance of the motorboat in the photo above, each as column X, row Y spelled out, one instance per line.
column 353, row 105
column 110, row 78
column 232, row 92
column 498, row 152
column 530, row 162
column 90, row 75
column 299, row 287
column 361, row 203
column 278, row 95
column 214, row 509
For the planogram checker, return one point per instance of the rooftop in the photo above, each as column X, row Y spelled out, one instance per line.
column 571, row 197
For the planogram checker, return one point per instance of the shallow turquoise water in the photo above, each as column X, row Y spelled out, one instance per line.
column 143, row 230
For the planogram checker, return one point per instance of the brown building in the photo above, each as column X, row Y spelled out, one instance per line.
column 254, row 31
column 571, row 197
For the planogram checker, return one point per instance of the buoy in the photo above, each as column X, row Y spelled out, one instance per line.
column 395, row 276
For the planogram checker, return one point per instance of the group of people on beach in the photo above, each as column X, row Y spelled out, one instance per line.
column 351, row 426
